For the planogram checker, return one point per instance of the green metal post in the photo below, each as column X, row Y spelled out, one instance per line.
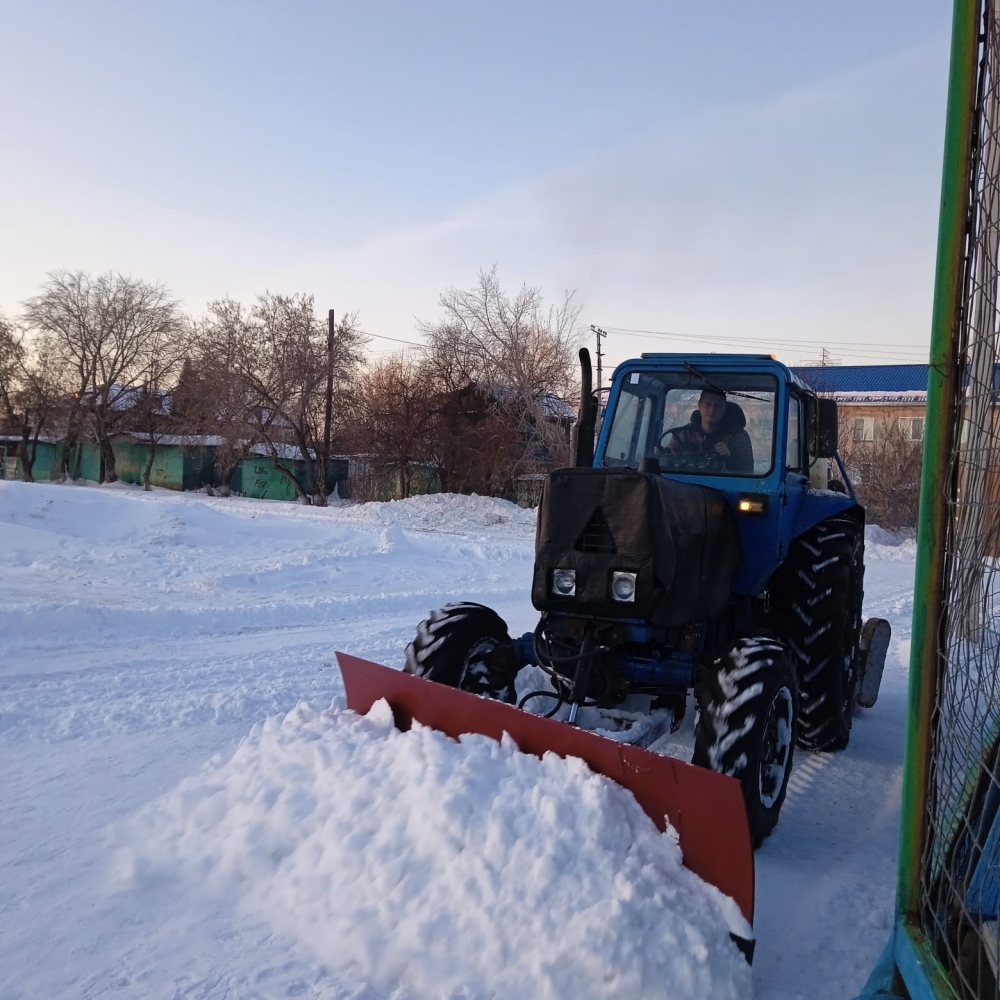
column 935, row 484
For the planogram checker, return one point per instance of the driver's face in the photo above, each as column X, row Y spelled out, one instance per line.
column 711, row 407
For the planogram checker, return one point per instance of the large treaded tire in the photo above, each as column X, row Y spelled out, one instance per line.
column 452, row 647
column 817, row 599
column 747, row 714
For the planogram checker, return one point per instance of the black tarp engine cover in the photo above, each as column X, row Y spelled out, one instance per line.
column 678, row 538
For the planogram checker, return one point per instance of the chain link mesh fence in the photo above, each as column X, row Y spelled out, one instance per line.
column 960, row 882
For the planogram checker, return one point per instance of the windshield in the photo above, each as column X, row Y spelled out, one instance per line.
column 718, row 423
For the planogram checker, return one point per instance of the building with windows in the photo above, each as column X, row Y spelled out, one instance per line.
column 873, row 398
column 882, row 410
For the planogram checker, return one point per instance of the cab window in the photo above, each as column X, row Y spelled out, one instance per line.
column 793, row 448
column 718, row 423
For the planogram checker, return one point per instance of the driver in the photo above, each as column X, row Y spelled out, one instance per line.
column 716, row 428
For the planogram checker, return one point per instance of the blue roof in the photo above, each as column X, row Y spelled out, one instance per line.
column 864, row 378
column 875, row 378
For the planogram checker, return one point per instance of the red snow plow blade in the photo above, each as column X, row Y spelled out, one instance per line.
column 706, row 809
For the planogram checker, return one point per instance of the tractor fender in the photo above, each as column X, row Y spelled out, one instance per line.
column 816, row 506
column 820, row 505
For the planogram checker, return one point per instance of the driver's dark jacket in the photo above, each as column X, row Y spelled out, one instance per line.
column 692, row 440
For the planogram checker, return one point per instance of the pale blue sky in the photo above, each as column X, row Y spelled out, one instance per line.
column 765, row 170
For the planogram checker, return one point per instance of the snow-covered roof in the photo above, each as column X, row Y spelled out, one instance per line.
column 16, row 439
column 551, row 405
column 286, row 452
column 875, row 383
column 186, row 440
column 559, row 409
column 915, row 397
column 289, row 452
column 123, row 398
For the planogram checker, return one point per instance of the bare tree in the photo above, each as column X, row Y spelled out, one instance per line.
column 28, row 395
column 12, row 359
column 103, row 333
column 394, row 417
column 885, row 469
column 517, row 358
column 474, row 448
column 63, row 315
column 282, row 358
column 488, row 336
column 212, row 396
column 151, row 411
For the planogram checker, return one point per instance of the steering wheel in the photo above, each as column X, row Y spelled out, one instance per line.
column 685, row 460
column 661, row 447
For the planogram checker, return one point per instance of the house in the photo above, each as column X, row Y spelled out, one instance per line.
column 181, row 462
column 882, row 412
column 873, row 399
column 488, row 440
column 46, row 463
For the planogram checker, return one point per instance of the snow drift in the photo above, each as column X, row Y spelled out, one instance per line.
column 144, row 633
column 447, row 869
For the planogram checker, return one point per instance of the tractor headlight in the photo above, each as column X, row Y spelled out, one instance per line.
column 623, row 586
column 564, row 582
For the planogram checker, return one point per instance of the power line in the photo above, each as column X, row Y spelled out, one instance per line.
column 789, row 342
column 395, row 340
column 814, row 341
column 882, row 352
column 790, row 345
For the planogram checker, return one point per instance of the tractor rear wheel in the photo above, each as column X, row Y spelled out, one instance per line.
column 454, row 646
column 817, row 599
column 748, row 707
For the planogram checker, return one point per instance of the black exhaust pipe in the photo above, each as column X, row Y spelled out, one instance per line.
column 586, row 419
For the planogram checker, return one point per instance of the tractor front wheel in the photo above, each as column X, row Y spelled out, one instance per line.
column 457, row 646
column 748, row 710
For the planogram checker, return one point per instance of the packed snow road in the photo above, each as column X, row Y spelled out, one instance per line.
column 176, row 824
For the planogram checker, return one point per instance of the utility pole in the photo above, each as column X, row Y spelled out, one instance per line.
column 598, row 333
column 826, row 358
column 328, row 418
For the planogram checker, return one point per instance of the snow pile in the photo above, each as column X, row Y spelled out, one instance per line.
column 78, row 561
column 442, row 868
column 890, row 545
column 450, row 512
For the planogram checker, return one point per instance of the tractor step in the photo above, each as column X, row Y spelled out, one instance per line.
column 874, row 645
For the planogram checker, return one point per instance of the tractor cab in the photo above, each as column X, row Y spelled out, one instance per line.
column 743, row 425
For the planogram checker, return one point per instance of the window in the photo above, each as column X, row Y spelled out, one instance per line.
column 659, row 415
column 793, row 449
column 911, row 428
column 621, row 444
column 864, row 428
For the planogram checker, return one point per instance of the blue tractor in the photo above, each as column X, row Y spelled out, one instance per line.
column 701, row 546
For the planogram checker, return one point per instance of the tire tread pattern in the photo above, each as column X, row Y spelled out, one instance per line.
column 733, row 704
column 440, row 650
column 817, row 603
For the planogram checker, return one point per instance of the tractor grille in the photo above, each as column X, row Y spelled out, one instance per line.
column 596, row 536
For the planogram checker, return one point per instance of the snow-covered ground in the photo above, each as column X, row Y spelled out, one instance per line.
column 175, row 822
